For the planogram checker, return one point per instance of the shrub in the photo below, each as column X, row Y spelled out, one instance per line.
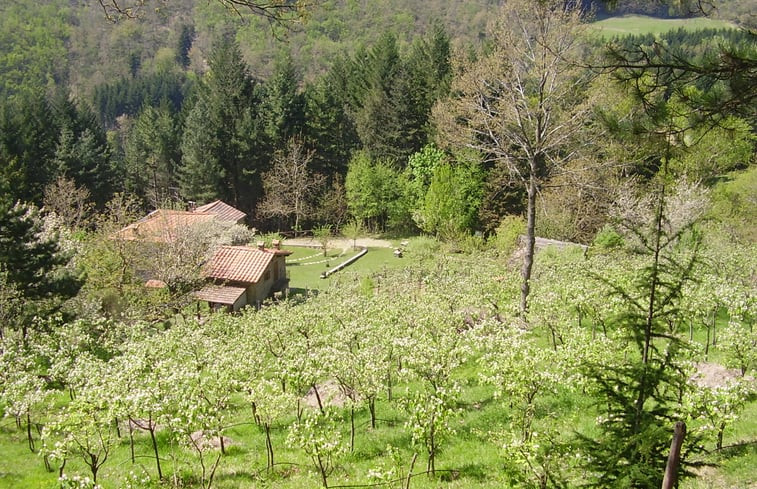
column 608, row 238
column 423, row 247
column 508, row 233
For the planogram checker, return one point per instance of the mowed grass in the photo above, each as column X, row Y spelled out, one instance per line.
column 638, row 24
column 305, row 266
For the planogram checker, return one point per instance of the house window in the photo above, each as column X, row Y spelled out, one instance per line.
column 267, row 275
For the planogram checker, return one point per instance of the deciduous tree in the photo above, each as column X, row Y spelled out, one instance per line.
column 290, row 187
column 375, row 193
column 520, row 104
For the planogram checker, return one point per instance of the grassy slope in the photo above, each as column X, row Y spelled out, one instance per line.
column 469, row 459
column 637, row 24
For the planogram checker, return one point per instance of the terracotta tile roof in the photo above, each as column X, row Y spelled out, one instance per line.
column 222, row 211
column 239, row 264
column 162, row 225
column 220, row 294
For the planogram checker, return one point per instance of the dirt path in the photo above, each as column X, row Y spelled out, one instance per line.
column 342, row 243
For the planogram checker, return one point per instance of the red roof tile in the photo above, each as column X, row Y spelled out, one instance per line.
column 238, row 264
column 222, row 211
column 163, row 225
column 220, row 294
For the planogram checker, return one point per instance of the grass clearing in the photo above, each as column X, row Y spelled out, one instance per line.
column 639, row 24
column 305, row 266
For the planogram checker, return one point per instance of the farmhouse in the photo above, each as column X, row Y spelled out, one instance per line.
column 236, row 275
column 165, row 225
column 243, row 275
column 223, row 212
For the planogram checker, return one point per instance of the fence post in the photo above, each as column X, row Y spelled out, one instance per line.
column 674, row 458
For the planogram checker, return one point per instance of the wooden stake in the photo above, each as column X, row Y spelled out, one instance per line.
column 671, row 471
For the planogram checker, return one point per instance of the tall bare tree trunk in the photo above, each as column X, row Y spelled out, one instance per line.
column 528, row 258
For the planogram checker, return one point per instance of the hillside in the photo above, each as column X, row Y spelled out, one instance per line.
column 559, row 257
column 81, row 47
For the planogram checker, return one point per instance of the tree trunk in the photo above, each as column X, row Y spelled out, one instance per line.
column 372, row 409
column 714, row 333
column 318, row 398
column 654, row 282
column 93, row 466
column 432, row 451
column 322, row 469
column 152, row 426
column 528, row 258
column 269, row 445
column 410, row 472
column 352, row 428
column 131, row 440
column 389, row 385
column 29, row 437
column 721, row 431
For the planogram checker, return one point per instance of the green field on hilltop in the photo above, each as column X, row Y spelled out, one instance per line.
column 638, row 24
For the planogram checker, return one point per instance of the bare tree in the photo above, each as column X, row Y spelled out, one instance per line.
column 289, row 187
column 521, row 104
column 69, row 202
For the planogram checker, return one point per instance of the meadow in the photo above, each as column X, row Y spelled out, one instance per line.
column 639, row 24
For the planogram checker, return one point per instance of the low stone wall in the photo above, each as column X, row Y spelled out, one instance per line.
column 345, row 263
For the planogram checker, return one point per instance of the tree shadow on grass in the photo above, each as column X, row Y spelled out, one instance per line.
column 241, row 478
column 474, row 472
column 738, row 449
column 300, row 293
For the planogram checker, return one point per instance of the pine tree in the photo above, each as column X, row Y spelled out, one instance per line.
column 200, row 176
column 82, row 152
column 377, row 117
column 427, row 75
column 225, row 145
column 33, row 264
column 329, row 128
column 151, row 155
column 284, row 105
column 27, row 145
column 86, row 161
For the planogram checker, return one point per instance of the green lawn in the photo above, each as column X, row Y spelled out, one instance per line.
column 305, row 266
column 637, row 24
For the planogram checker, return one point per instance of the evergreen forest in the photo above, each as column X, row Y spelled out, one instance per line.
column 559, row 227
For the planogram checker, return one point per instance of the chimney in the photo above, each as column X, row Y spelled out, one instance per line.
column 276, row 244
column 261, row 245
